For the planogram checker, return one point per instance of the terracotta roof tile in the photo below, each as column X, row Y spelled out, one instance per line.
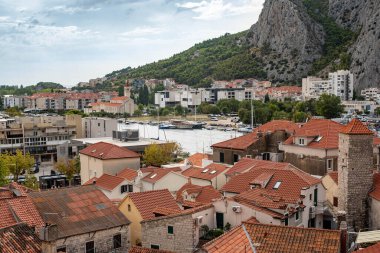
column 243, row 142
column 271, row 238
column 246, row 164
column 292, row 181
column 105, row 181
column 136, row 249
column 78, row 210
column 326, row 129
column 376, row 184
column 19, row 238
column 147, row 201
column 156, row 175
column 129, row 174
column 204, row 194
column 356, row 127
column 371, row 249
column 376, row 141
column 104, row 151
column 207, row 173
column 334, row 176
column 196, row 159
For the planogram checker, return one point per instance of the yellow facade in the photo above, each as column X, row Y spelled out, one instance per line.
column 134, row 216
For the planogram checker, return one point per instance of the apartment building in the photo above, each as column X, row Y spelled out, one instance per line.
column 372, row 93
column 13, row 101
column 340, row 83
column 93, row 127
column 47, row 138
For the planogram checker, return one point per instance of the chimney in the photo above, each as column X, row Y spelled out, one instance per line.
column 48, row 235
column 343, row 237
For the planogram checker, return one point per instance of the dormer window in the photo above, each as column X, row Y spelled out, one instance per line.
column 153, row 176
column 204, row 171
column 301, row 141
column 213, row 172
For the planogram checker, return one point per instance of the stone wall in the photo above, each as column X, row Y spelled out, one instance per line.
column 311, row 164
column 355, row 167
column 103, row 241
column 182, row 240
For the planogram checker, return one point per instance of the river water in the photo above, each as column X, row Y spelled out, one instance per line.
column 192, row 141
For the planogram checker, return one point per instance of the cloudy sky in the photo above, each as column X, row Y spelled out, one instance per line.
column 69, row 41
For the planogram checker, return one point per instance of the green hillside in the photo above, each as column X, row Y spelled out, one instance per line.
column 224, row 58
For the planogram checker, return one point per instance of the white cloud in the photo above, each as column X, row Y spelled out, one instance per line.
column 4, row 19
column 72, row 10
column 216, row 9
column 142, row 31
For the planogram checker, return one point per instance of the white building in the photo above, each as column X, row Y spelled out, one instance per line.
column 94, row 127
column 370, row 93
column 340, row 83
column 13, row 101
column 359, row 106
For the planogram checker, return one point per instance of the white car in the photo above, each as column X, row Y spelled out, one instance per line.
column 214, row 119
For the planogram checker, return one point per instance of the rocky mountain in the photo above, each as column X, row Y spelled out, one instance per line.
column 291, row 39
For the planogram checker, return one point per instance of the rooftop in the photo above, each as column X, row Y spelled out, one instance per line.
column 19, row 238
column 371, row 249
column 204, row 194
column 356, row 127
column 243, row 142
column 147, row 202
column 159, row 173
column 126, row 144
column 271, row 239
column 78, row 210
column 105, row 181
column 207, row 173
column 196, row 159
column 105, row 151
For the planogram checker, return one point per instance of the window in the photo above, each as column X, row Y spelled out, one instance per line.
column 90, row 247
column 329, row 164
column 310, row 197
column 117, row 241
column 126, row 188
column 130, row 188
column 335, row 200
column 277, row 185
column 286, row 222
column 61, row 249
column 221, row 157
column 129, row 207
column 266, row 156
column 154, row 246
column 236, row 158
column 170, row 230
column 301, row 141
column 204, row 171
column 297, row 215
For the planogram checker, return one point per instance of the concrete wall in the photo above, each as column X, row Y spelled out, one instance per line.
column 103, row 241
column 374, row 214
column 200, row 182
column 134, row 217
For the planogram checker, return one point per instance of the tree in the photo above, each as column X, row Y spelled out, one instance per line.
column 158, row 155
column 18, row 163
column 31, row 181
column 377, row 111
column 13, row 111
column 68, row 167
column 299, row 117
column 179, row 110
column 329, row 106
column 4, row 170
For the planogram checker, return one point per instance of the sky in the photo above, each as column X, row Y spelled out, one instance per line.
column 75, row 40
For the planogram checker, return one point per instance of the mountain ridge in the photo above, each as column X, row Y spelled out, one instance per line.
column 290, row 40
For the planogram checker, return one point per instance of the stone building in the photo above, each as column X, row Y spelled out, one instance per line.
column 178, row 232
column 80, row 219
column 355, row 173
column 262, row 143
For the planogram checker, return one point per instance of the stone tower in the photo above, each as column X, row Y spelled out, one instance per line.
column 355, row 173
column 127, row 90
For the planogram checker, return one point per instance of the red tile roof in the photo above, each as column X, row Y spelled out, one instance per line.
column 196, row 159
column 207, row 173
column 375, row 193
column 129, row 174
column 157, row 174
column 356, row 127
column 19, row 238
column 376, row 141
column 137, row 249
column 325, row 128
column 334, row 176
column 18, row 208
column 204, row 194
column 292, row 181
column 271, row 238
column 371, row 249
column 246, row 164
column 78, row 210
column 106, row 182
column 243, row 142
column 105, row 151
column 147, row 202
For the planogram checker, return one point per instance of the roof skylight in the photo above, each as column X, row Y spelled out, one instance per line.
column 277, row 185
